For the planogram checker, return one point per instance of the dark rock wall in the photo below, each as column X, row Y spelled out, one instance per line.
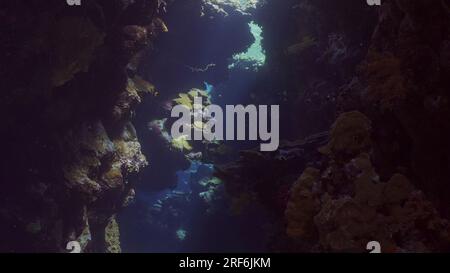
column 67, row 95
column 71, row 78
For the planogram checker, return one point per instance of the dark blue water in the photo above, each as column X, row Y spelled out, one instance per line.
column 178, row 220
column 195, row 214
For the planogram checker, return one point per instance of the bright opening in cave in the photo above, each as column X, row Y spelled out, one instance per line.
column 255, row 56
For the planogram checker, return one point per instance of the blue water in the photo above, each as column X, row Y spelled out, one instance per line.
column 178, row 219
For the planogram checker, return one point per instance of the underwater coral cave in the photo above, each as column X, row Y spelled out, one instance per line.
column 353, row 96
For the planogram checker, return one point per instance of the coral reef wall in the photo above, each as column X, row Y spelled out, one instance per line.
column 369, row 157
column 69, row 85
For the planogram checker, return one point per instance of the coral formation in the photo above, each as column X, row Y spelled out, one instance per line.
column 112, row 236
column 70, row 94
column 365, row 122
column 350, row 134
column 381, row 171
column 347, row 205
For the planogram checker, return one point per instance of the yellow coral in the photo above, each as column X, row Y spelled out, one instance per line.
column 184, row 99
column 198, row 93
column 187, row 99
